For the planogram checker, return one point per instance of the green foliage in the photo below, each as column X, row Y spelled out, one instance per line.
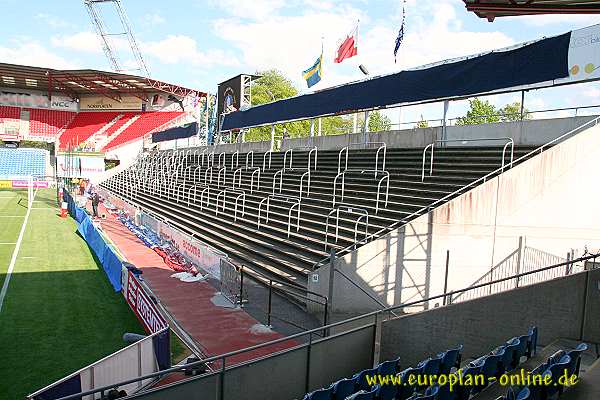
column 273, row 86
column 480, row 112
column 422, row 123
column 484, row 112
column 377, row 122
column 512, row 112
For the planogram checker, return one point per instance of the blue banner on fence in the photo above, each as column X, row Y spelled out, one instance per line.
column 110, row 262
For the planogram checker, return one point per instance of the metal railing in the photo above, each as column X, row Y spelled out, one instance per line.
column 250, row 155
column 382, row 148
column 280, row 173
column 509, row 142
column 424, row 210
column 287, row 199
column 361, row 212
column 307, row 173
column 344, row 149
column 270, row 154
column 240, row 195
column 235, row 155
column 222, row 172
column 386, row 177
column 377, row 316
column 291, row 152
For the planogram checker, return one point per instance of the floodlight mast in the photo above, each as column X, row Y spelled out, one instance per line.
column 95, row 13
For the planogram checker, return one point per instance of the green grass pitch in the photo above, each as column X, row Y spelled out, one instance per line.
column 60, row 312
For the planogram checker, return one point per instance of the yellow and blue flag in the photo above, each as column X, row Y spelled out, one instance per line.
column 313, row 74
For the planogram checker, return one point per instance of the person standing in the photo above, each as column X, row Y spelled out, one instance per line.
column 95, row 202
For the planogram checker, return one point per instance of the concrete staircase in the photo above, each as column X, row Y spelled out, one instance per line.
column 188, row 194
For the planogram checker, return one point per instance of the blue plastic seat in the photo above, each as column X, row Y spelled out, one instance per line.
column 343, row 388
column 360, row 381
column 444, row 393
column 389, row 367
column 463, row 392
column 364, row 395
column 510, row 350
column 575, row 355
column 405, row 390
column 557, row 370
column 518, row 394
column 491, row 366
column 321, row 394
column 386, row 392
column 556, row 357
column 519, row 349
column 450, row 358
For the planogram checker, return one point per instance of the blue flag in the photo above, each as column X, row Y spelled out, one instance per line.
column 313, row 74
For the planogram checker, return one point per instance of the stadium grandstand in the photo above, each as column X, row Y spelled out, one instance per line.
column 457, row 261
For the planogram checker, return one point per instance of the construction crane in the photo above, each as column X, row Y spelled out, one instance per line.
column 106, row 36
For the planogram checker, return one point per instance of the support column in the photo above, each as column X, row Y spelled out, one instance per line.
column 522, row 104
column 272, row 137
column 366, row 127
column 446, row 104
column 312, row 127
column 355, row 123
column 399, row 118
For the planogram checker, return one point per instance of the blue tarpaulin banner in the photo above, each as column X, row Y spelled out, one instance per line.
column 66, row 388
column 180, row 132
column 540, row 61
column 108, row 259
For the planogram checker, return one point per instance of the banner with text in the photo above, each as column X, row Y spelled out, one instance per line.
column 143, row 307
column 96, row 103
column 79, row 167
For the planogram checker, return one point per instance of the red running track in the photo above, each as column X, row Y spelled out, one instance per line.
column 216, row 329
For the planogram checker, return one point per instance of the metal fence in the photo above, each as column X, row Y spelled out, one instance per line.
column 317, row 362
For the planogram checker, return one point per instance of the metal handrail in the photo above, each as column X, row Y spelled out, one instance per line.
column 363, row 213
column 386, row 177
column 287, row 199
column 248, row 154
column 221, row 159
column 237, row 159
column 340, row 159
column 194, row 188
column 382, row 147
column 206, row 189
column 257, row 170
column 224, row 171
column 291, row 151
column 237, row 172
column 209, row 169
column 425, row 209
column 381, row 312
column 241, row 194
column 210, row 160
column 431, row 162
column 509, row 141
column 280, row 173
column 270, row 153
column 307, row 173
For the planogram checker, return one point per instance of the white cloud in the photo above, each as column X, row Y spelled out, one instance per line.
column 251, row 9
column 177, row 49
column 286, row 42
column 31, row 52
column 153, row 19
column 52, row 20
column 82, row 41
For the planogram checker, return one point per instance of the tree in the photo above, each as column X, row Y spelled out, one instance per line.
column 422, row 123
column 273, row 86
column 512, row 112
column 377, row 122
column 480, row 112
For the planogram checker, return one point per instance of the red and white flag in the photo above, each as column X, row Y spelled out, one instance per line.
column 348, row 46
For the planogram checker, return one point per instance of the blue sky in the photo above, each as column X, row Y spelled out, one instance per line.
column 198, row 43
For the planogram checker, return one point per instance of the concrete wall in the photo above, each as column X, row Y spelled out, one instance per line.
column 557, row 308
column 550, row 200
column 529, row 132
column 257, row 147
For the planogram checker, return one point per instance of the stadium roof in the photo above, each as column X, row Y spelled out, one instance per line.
column 491, row 9
column 86, row 81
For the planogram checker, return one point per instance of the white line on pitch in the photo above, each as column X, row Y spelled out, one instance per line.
column 8, row 243
column 13, row 259
column 11, row 216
